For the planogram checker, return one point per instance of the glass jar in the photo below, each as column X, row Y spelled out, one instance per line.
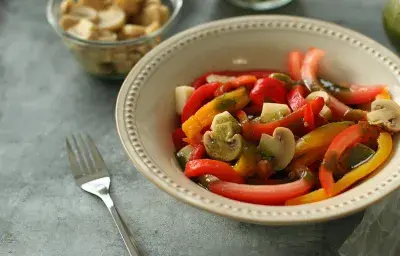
column 391, row 22
column 260, row 5
column 110, row 59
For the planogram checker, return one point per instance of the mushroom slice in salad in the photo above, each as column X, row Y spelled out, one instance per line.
column 279, row 148
column 223, row 141
column 386, row 113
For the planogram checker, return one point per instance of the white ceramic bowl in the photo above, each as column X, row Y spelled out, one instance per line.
column 145, row 108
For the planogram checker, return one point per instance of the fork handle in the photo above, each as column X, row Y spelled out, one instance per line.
column 122, row 228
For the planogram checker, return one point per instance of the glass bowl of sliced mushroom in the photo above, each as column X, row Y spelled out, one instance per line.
column 108, row 37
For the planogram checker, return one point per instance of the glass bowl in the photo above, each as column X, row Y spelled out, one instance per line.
column 105, row 59
column 260, row 5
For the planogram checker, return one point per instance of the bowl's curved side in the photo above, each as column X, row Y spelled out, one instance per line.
column 131, row 133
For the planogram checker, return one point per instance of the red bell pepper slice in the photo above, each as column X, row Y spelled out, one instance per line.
column 177, row 138
column 197, row 99
column 353, row 94
column 263, row 194
column 294, row 122
column 244, row 80
column 199, row 151
column 358, row 133
column 268, row 88
column 258, row 73
column 295, row 62
column 309, row 117
column 296, row 97
column 310, row 78
column 221, row 170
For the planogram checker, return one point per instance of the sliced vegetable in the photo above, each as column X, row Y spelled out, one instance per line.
column 244, row 80
column 386, row 113
column 268, row 89
column 355, row 156
column 225, row 150
column 183, row 155
column 383, row 153
column 230, row 101
column 198, row 152
column 273, row 112
column 385, row 94
column 263, row 194
column 225, row 118
column 320, row 137
column 353, row 94
column 279, row 148
column 310, row 79
column 309, row 117
column 247, row 163
column 197, row 99
column 177, row 138
column 221, row 170
column 295, row 62
column 326, row 112
column 259, row 73
column 294, row 121
column 182, row 95
column 296, row 97
column 223, row 141
column 358, row 133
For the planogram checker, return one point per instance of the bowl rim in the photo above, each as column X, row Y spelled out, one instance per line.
column 53, row 21
column 267, row 215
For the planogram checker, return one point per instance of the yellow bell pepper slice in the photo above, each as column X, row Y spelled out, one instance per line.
column 247, row 163
column 384, row 149
column 385, row 94
column 320, row 137
column 230, row 101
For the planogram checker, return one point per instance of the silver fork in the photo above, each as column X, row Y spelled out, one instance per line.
column 91, row 175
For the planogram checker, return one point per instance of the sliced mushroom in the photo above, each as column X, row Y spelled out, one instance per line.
column 225, row 118
column 112, row 19
column 225, row 150
column 182, row 94
column 220, row 79
column 279, row 148
column 326, row 112
column 107, row 35
column 273, row 111
column 85, row 29
column 66, row 6
column 67, row 21
column 84, row 12
column 132, row 31
column 223, row 141
column 385, row 112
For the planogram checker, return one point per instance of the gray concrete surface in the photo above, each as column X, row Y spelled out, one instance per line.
column 44, row 96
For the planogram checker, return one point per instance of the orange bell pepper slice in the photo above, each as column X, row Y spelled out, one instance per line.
column 385, row 145
column 320, row 137
column 230, row 101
